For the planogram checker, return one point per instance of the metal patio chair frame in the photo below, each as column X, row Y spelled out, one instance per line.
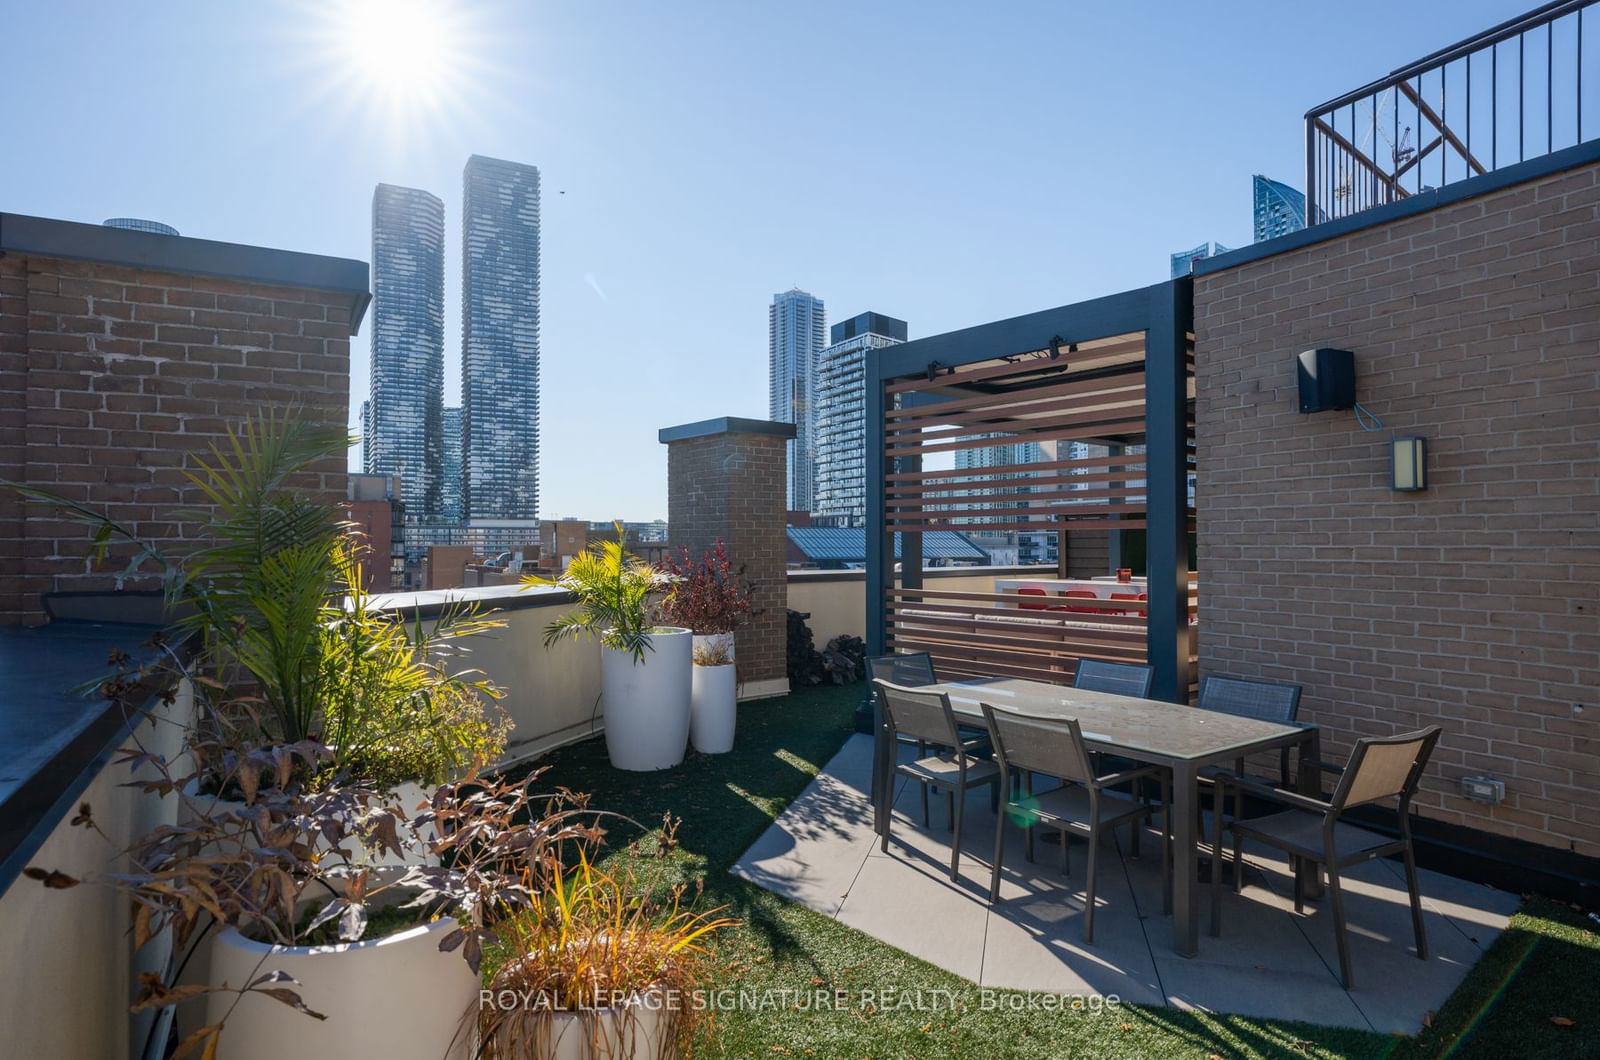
column 1055, row 748
column 927, row 716
column 1379, row 769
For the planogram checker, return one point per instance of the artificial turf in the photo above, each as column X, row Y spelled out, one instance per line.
column 1546, row 964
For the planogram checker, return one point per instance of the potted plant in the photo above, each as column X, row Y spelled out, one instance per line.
column 596, row 970
column 713, row 600
column 308, row 950
column 644, row 666
column 271, row 599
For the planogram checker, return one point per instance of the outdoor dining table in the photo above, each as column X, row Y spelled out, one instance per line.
column 1180, row 737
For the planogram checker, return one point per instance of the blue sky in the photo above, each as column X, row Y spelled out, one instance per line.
column 948, row 164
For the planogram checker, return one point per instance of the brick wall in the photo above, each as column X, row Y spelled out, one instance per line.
column 112, row 379
column 1475, row 604
column 731, row 485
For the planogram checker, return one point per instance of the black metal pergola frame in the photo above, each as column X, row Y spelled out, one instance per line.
column 1164, row 314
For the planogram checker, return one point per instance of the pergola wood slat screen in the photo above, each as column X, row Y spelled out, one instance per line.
column 1092, row 393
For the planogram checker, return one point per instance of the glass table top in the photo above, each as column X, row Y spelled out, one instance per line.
column 1154, row 727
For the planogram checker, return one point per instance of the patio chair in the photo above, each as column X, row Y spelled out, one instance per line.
column 1127, row 596
column 1122, row 679
column 927, row 716
column 1028, row 590
column 909, row 670
column 1244, row 698
column 914, row 669
column 1079, row 594
column 1380, row 768
column 1083, row 804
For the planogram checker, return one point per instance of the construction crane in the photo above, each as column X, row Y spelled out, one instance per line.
column 1401, row 151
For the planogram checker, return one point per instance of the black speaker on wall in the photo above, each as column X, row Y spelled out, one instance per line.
column 1327, row 380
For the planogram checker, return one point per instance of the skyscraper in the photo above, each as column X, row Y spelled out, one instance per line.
column 500, row 339
column 841, row 495
column 795, row 325
column 1278, row 208
column 1034, row 546
column 366, row 436
column 450, row 471
column 406, row 418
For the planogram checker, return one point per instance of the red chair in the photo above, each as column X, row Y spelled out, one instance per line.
column 1126, row 596
column 1080, row 594
column 1030, row 591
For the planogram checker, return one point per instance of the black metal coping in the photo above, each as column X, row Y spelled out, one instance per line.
column 1567, row 158
column 47, row 237
column 53, row 740
column 725, row 425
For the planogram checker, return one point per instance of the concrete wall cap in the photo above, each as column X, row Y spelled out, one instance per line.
column 725, row 425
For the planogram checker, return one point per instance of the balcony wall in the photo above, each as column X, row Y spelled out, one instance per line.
column 68, row 953
column 552, row 694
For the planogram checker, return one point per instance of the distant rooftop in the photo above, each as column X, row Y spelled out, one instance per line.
column 826, row 544
column 868, row 323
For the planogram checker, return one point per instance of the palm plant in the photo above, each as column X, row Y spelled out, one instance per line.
column 615, row 591
column 254, row 587
column 391, row 701
column 273, row 596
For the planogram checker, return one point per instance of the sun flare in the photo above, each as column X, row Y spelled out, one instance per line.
column 400, row 48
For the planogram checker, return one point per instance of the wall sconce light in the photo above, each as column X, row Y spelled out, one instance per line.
column 1409, row 464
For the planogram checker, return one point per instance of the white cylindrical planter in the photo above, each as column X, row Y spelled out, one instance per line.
column 198, row 970
column 639, row 1028
column 714, row 709
column 708, row 641
column 392, row 997
column 647, row 702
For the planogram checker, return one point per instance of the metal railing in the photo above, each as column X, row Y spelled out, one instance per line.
column 1522, row 89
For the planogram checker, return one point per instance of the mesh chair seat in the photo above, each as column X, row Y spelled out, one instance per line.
column 944, row 771
column 1299, row 832
column 1070, row 805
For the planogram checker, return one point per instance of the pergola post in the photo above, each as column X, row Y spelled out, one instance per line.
column 880, row 554
column 1167, row 496
column 880, row 572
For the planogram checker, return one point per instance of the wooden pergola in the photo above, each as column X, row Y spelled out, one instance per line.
column 1114, row 375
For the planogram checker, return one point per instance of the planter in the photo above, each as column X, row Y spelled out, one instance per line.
column 198, row 969
column 725, row 641
column 714, row 708
column 391, row 997
column 714, row 697
column 639, row 1028
column 647, row 702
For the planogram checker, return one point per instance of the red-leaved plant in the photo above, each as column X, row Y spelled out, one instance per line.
column 710, row 596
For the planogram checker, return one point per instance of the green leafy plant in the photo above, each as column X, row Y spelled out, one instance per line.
column 592, row 940
column 293, row 863
column 616, row 593
column 255, row 582
column 396, row 703
column 272, row 594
